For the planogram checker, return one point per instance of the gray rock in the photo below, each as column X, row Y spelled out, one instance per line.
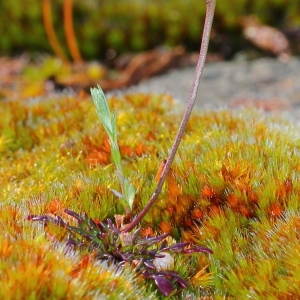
column 268, row 83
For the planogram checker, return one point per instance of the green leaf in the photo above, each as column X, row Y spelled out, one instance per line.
column 102, row 108
column 114, row 126
column 116, row 155
column 129, row 192
column 109, row 123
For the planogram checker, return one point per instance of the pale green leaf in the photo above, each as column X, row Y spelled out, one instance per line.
column 102, row 108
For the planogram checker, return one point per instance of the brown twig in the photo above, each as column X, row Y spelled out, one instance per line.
column 210, row 8
column 69, row 32
column 50, row 32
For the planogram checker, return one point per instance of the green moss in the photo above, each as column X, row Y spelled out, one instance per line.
column 234, row 187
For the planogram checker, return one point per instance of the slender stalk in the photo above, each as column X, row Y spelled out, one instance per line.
column 210, row 9
column 69, row 31
column 50, row 32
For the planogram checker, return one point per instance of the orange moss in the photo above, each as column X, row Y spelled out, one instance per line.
column 233, row 200
column 96, row 157
column 6, row 249
column 245, row 211
column 55, row 207
column 188, row 222
column 284, row 190
column 208, row 192
column 138, row 100
column 275, row 210
column 165, row 227
column 83, row 263
column 252, row 197
column 140, row 149
column 148, row 231
column 214, row 210
column 197, row 213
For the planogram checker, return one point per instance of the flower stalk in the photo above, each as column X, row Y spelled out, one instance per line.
column 210, row 9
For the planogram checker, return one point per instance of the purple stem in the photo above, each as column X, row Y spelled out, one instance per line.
column 210, row 8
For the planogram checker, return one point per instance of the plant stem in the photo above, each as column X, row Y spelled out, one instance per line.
column 210, row 8
column 69, row 31
column 50, row 32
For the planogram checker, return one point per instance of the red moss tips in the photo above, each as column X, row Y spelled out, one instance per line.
column 208, row 192
column 55, row 206
column 165, row 227
column 96, row 157
column 275, row 210
column 233, row 201
column 284, row 190
column 97, row 154
column 197, row 213
column 138, row 150
column 84, row 262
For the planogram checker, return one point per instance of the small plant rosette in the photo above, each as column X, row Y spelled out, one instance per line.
column 150, row 256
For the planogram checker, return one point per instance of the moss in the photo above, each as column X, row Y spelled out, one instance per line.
column 234, row 187
column 32, row 270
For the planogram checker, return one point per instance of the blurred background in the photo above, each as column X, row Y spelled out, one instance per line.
column 105, row 29
column 51, row 45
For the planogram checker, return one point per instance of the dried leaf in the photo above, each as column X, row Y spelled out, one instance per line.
column 265, row 37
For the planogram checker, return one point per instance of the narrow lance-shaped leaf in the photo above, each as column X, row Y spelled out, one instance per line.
column 129, row 192
column 102, row 108
column 177, row 246
column 114, row 127
column 116, row 156
column 197, row 249
column 110, row 125
column 150, row 265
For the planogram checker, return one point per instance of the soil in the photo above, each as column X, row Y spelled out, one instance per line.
column 269, row 84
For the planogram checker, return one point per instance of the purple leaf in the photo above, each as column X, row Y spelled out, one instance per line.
column 197, row 249
column 147, row 274
column 109, row 226
column 93, row 224
column 152, row 240
column 120, row 265
column 150, row 252
column 109, row 223
column 73, row 214
column 60, row 221
column 179, row 280
column 71, row 242
column 164, row 285
column 149, row 265
column 45, row 218
column 135, row 235
column 177, row 246
column 125, row 256
column 163, row 245
column 39, row 218
column 182, row 282
column 102, row 226
column 168, row 272
column 102, row 255
column 159, row 255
